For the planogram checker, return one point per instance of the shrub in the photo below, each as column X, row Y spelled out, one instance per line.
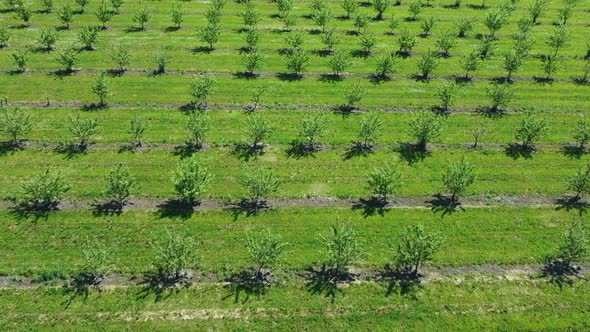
column 464, row 26
column 251, row 62
column 536, row 8
column 580, row 182
column 445, row 42
column 415, row 8
column 582, row 133
column 575, row 245
column 82, row 130
column 341, row 249
column 174, row 255
column 252, row 38
column 104, row 14
column 117, row 4
column 47, row 5
column 353, row 95
column 21, row 58
column 500, row 95
column 427, row 25
column 550, row 64
column 210, row 35
column 494, row 20
column 470, row 63
column 339, row 62
column 427, row 64
column 297, row 62
column 350, row 7
column 119, row 184
column 371, row 127
column 15, row 124
column 385, row 65
column 415, row 248
column 141, row 15
column 258, row 129
column 524, row 25
column 295, row 40
column 259, row 184
column 321, row 17
column 406, row 42
column 102, row 89
column 486, row 46
column 120, row 55
column 65, row 15
column 393, row 24
column 138, row 126
column 4, row 36
column 82, row 4
column 313, row 128
column 47, row 38
column 424, row 127
column 330, row 40
column 250, row 16
column 201, row 88
column 458, row 177
column 191, row 181
column 97, row 258
column 289, row 19
column 265, row 250
column 530, row 129
column 87, row 36
column 197, row 126
column 360, row 22
column 23, row 12
column 385, row 182
column 177, row 14
column 448, row 92
column 68, row 57
column 380, row 7
column 565, row 13
column 43, row 192
column 367, row 42
column 162, row 60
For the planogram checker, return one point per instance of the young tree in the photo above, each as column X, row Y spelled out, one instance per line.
column 82, row 131
column 97, row 258
column 210, row 35
column 294, row 40
column 338, row 63
column 415, row 8
column 582, row 133
column 250, row 15
column 21, row 58
column 353, row 94
column 88, row 36
column 406, row 42
column 575, row 245
column 580, row 182
column 296, row 62
column 47, row 38
column 360, row 22
column 137, row 129
column 201, row 88
column 550, row 64
column 82, row 4
column 104, row 14
column 251, row 62
column 385, row 182
column 448, row 92
column 142, row 15
column 445, row 42
column 117, row 4
column 530, row 129
column 536, row 8
column 65, row 15
column 23, row 12
column 385, row 65
column 486, row 46
column 256, row 97
column 102, row 89
column 197, row 126
column 15, row 124
column 380, row 7
column 424, row 127
column 559, row 39
column 264, row 251
column 258, row 129
column 494, row 20
column 427, row 64
column 174, row 255
column 43, row 192
column 464, row 26
column 313, row 128
column 370, row 129
column 259, row 184
column 350, row 7
column 4, row 36
column 393, row 24
column 162, row 60
column 470, row 63
column 330, row 40
column 367, row 41
column 68, row 57
column 427, row 25
column 342, row 249
column 191, row 181
column 177, row 14
column 500, row 95
column 458, row 177
column 511, row 62
column 119, row 184
column 565, row 13
column 289, row 19
column 47, row 5
column 415, row 247
column 120, row 55
column 322, row 17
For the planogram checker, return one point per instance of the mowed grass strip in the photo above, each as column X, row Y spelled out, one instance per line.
column 473, row 236
column 445, row 306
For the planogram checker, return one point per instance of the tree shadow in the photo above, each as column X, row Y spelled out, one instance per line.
column 357, row 149
column 581, row 81
column 290, row 77
column 93, row 107
column 543, row 80
column 331, row 78
column 379, row 79
column 80, row 287
column 360, row 54
column 371, row 206
column 171, row 29
column 491, row 112
column 71, row 150
column 325, row 281
column 246, row 75
column 573, row 151
column 569, row 203
column 186, row 150
column 300, row 150
column 516, row 151
column 248, row 208
column 34, row 210
column 245, row 151
column 412, row 153
column 116, row 72
column 134, row 29
column 249, row 282
column 560, row 272
column 162, row 286
column 176, row 208
column 463, row 79
column 62, row 73
column 322, row 53
column 10, row 147
column 423, row 78
column 401, row 282
column 202, row 49
column 444, row 204
column 109, row 208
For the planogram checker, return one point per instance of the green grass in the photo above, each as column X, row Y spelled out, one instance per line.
column 475, row 236
column 444, row 306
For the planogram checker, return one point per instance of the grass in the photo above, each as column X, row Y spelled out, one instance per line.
column 475, row 236
column 444, row 306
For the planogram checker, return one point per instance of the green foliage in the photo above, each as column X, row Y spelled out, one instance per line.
column 525, row 24
column 201, row 88
column 295, row 40
column 575, row 244
column 258, row 129
column 550, row 64
column 250, row 15
column 339, row 62
column 559, row 39
column 47, row 37
column 265, row 250
column 21, row 58
column 15, row 124
column 47, row 5
column 82, row 4
column 117, row 4
column 425, row 127
column 565, row 13
column 330, row 40
column 353, row 94
column 252, row 39
column 97, row 258
column 191, row 180
column 458, row 177
column 313, row 128
column 104, row 14
column 342, row 249
column 88, row 36
column 371, row 127
column 470, row 62
column 380, row 7
column 44, row 191
column 259, row 184
column 288, row 18
column 415, row 8
column 464, row 26
column 523, row 43
column 296, row 62
column 385, row 64
column 82, row 130
column 251, row 61
column 536, row 8
column 209, row 35
column 350, row 7
column 66, row 15
column 23, row 12
column 500, row 95
column 197, row 126
column 142, row 15
column 177, row 14
column 119, row 184
column 174, row 255
column 448, row 93
column 582, row 133
column 102, row 89
column 406, row 42
column 393, row 24
column 445, row 42
column 138, row 126
column 530, row 129
column 414, row 248
column 162, row 60
column 4, row 36
column 386, row 181
column 360, row 22
column 322, row 17
column 486, row 46
column 367, row 41
column 495, row 19
column 427, row 64
column 427, row 25
column 580, row 182
column 120, row 55
column 68, row 57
